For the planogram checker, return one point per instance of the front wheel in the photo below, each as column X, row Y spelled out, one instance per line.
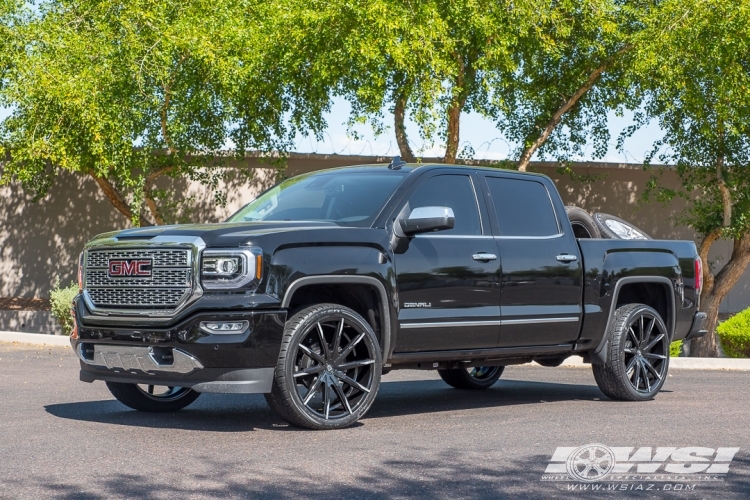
column 637, row 355
column 328, row 371
column 479, row 377
column 152, row 398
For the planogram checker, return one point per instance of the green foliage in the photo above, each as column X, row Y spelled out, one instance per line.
column 692, row 62
column 131, row 91
column 675, row 348
column 734, row 334
column 61, row 300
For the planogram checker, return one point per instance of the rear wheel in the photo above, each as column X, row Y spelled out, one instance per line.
column 329, row 368
column 478, row 377
column 152, row 398
column 637, row 355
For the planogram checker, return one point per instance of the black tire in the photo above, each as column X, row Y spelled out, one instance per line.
column 338, row 353
column 480, row 377
column 614, row 228
column 638, row 347
column 137, row 398
column 582, row 222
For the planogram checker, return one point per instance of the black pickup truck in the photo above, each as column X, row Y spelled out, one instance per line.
column 330, row 279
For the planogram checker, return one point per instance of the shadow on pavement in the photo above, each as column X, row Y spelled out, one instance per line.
column 242, row 413
column 450, row 475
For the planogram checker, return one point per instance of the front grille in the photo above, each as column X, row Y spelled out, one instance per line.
column 168, row 286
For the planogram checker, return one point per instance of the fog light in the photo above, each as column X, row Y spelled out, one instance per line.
column 224, row 327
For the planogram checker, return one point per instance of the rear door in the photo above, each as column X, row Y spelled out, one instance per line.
column 541, row 285
column 448, row 281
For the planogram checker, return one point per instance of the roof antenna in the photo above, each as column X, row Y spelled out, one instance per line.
column 396, row 163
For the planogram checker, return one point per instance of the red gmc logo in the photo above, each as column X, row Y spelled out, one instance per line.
column 130, row 267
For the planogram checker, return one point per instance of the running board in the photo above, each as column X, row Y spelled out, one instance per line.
column 484, row 354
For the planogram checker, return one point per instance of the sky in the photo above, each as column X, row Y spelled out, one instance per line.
column 480, row 133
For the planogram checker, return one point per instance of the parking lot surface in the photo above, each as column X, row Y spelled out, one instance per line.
column 61, row 438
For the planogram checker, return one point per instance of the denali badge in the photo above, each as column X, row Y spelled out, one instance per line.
column 119, row 268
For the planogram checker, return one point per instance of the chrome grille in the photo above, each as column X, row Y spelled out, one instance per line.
column 168, row 286
column 143, row 298
column 161, row 258
column 159, row 277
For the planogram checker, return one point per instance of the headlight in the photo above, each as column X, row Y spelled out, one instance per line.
column 231, row 269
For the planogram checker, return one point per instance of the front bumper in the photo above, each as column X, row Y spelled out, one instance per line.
column 184, row 355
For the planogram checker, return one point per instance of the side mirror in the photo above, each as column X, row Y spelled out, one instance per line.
column 427, row 220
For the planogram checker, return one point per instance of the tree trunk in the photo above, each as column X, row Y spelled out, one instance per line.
column 454, row 124
column 722, row 284
column 117, row 200
column 399, row 115
column 523, row 161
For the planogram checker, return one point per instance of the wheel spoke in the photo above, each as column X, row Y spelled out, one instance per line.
column 648, row 331
column 349, row 348
column 355, row 364
column 337, row 337
column 326, row 400
column 350, row 381
column 631, row 333
column 312, row 391
column 637, row 375
column 651, row 355
column 629, row 350
column 151, row 389
column 652, row 369
column 309, row 371
column 342, row 398
column 654, row 342
column 642, row 331
column 645, row 376
column 323, row 342
column 630, row 365
column 314, row 355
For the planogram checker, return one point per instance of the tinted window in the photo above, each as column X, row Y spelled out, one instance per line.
column 454, row 191
column 523, row 207
column 345, row 197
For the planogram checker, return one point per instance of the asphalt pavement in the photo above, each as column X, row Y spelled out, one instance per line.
column 61, row 438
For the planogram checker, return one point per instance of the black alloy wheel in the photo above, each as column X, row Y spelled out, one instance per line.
column 637, row 357
column 329, row 368
column 152, row 398
column 477, row 377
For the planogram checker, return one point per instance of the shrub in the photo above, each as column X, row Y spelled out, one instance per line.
column 675, row 348
column 734, row 335
column 61, row 300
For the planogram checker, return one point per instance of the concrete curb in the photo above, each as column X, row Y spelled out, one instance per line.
column 681, row 363
column 35, row 338
column 572, row 362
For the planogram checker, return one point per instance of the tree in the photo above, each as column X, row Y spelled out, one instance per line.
column 694, row 65
column 573, row 69
column 129, row 92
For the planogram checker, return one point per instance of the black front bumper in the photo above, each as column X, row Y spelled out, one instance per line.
column 183, row 354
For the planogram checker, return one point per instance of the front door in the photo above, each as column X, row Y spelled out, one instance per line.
column 541, row 291
column 448, row 281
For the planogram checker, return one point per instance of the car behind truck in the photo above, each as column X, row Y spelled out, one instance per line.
column 326, row 281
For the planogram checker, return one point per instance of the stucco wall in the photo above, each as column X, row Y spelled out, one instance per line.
column 39, row 241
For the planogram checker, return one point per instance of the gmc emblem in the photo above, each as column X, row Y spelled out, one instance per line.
column 130, row 267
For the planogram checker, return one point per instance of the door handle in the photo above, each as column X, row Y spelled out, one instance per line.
column 484, row 257
column 566, row 258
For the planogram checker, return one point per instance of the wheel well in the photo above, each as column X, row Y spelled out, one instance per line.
column 655, row 295
column 363, row 299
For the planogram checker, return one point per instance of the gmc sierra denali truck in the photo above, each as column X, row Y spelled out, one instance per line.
column 327, row 280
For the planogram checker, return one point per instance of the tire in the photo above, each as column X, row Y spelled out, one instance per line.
column 339, row 354
column 480, row 377
column 582, row 222
column 638, row 347
column 614, row 228
column 151, row 400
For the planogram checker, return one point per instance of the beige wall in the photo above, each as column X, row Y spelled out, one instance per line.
column 39, row 241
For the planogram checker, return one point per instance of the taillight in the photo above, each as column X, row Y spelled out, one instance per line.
column 698, row 276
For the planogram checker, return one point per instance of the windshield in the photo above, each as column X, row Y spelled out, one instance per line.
column 344, row 197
